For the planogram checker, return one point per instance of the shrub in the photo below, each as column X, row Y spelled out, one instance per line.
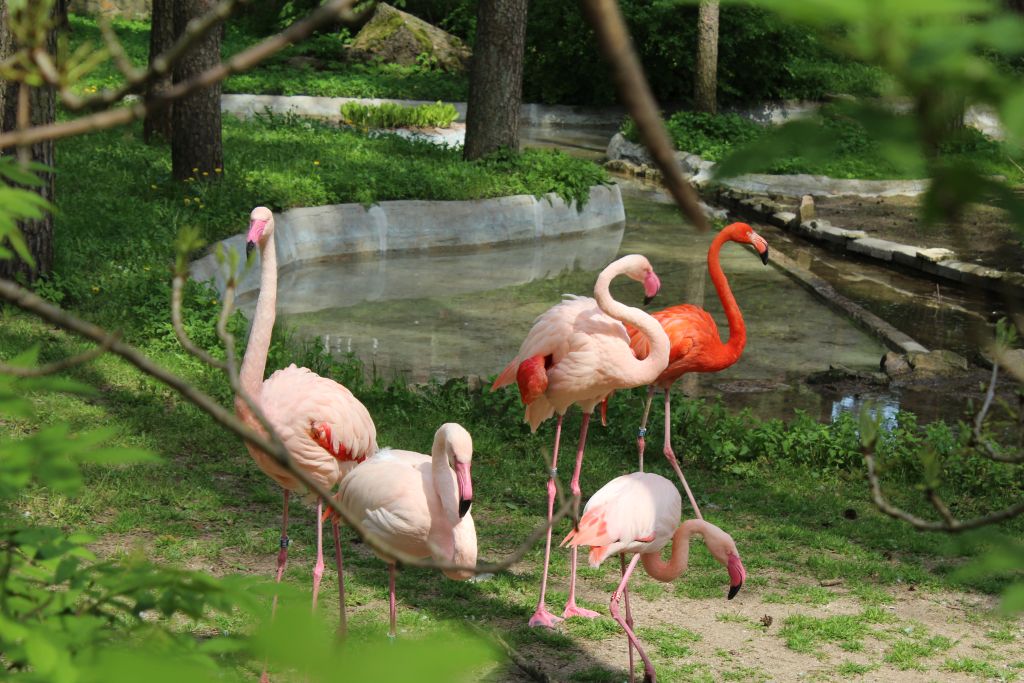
column 391, row 115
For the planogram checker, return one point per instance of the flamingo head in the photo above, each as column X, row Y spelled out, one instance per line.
column 723, row 549
column 744, row 234
column 458, row 446
column 261, row 226
column 638, row 268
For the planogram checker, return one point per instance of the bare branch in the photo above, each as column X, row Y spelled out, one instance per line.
column 977, row 438
column 606, row 20
column 177, row 288
column 61, row 365
column 326, row 14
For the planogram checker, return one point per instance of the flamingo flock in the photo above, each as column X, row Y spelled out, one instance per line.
column 578, row 352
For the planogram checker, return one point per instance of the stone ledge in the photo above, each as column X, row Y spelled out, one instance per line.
column 318, row 233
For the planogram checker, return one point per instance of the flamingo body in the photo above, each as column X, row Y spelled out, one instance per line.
column 694, row 343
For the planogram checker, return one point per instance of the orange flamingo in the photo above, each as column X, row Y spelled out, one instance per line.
column 578, row 352
column 695, row 345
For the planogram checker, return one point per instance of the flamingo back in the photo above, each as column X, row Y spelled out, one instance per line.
column 297, row 402
column 634, row 513
column 694, row 342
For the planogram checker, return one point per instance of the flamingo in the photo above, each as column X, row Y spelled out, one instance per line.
column 322, row 425
column 639, row 513
column 695, row 345
column 418, row 503
column 578, row 352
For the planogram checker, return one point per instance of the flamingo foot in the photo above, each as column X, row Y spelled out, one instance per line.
column 573, row 610
column 544, row 618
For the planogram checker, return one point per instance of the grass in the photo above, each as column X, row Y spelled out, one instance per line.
column 980, row 669
column 331, row 76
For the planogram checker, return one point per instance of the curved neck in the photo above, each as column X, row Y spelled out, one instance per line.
column 737, row 330
column 635, row 372
column 660, row 570
column 254, row 363
column 444, row 480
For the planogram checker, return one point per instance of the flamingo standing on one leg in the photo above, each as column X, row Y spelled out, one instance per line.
column 418, row 503
column 323, row 426
column 695, row 345
column 639, row 513
column 578, row 352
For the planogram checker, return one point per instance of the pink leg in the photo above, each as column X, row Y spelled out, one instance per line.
column 571, row 610
column 342, row 620
column 614, row 607
column 629, row 617
column 672, row 456
column 318, row 568
column 282, row 562
column 642, row 432
column 542, row 617
column 391, row 598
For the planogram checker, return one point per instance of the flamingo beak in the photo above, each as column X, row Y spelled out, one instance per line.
column 761, row 246
column 465, row 484
column 651, row 287
column 737, row 575
column 256, row 228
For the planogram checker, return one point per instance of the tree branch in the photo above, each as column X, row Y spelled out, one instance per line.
column 606, row 20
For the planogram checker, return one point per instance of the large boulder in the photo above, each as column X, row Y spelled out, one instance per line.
column 937, row 364
column 396, row 37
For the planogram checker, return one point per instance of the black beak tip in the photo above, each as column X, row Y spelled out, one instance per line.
column 764, row 256
column 733, row 590
column 648, row 299
column 464, row 506
column 249, row 246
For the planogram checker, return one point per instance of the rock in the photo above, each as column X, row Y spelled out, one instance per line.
column 397, row 37
column 840, row 373
column 894, row 364
column 937, row 364
column 806, row 210
column 622, row 166
column 621, row 148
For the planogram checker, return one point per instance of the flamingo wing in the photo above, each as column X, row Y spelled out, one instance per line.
column 319, row 421
column 694, row 343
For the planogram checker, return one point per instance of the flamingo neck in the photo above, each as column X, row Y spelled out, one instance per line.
column 660, row 570
column 737, row 329
column 443, row 478
column 634, row 372
column 254, row 363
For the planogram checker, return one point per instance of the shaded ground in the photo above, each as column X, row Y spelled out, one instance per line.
column 985, row 234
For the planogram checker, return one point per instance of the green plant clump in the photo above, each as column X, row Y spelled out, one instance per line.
column 392, row 115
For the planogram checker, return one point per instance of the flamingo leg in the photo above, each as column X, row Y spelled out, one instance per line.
column 541, row 616
column 672, row 456
column 282, row 563
column 629, row 617
column 391, row 598
column 571, row 609
column 642, row 432
column 318, row 568
column 342, row 620
column 614, row 608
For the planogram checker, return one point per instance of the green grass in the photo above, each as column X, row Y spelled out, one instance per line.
column 849, row 669
column 978, row 668
column 669, row 642
column 332, row 76
column 907, row 653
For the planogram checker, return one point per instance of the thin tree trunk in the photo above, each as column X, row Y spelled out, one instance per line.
column 161, row 36
column 38, row 108
column 706, row 82
column 196, row 136
column 496, row 78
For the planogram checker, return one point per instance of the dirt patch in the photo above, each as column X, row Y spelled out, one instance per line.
column 985, row 234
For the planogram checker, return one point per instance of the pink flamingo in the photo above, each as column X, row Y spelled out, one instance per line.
column 578, row 352
column 323, row 426
column 639, row 513
column 418, row 503
column 695, row 345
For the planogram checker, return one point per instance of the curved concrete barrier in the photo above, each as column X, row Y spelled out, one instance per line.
column 307, row 235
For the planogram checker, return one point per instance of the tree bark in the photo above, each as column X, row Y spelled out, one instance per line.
column 157, row 125
column 39, row 108
column 196, row 126
column 706, row 81
column 496, row 78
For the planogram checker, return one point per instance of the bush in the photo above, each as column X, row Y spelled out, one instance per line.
column 391, row 115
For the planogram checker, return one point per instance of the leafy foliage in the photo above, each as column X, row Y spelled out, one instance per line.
column 391, row 115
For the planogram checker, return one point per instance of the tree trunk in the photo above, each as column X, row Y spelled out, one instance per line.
column 196, row 135
column 161, row 36
column 706, row 82
column 39, row 109
column 496, row 78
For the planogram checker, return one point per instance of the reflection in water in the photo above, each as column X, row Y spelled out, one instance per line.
column 884, row 406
